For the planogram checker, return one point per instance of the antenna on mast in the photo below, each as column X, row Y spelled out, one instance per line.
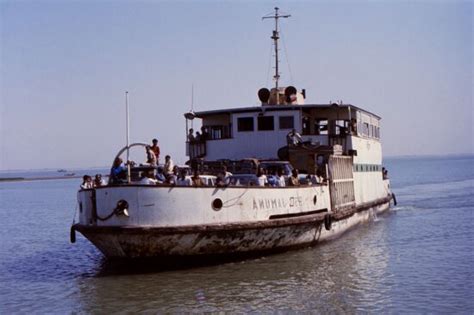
column 275, row 38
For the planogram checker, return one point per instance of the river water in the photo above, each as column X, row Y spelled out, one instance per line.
column 418, row 258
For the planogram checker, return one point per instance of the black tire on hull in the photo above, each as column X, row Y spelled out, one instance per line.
column 327, row 222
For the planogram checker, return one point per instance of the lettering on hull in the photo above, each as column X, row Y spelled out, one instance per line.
column 276, row 203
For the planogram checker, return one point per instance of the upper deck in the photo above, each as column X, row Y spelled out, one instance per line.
column 260, row 131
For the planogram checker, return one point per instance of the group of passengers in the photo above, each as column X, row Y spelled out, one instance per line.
column 171, row 174
column 88, row 183
column 175, row 177
column 199, row 136
column 277, row 178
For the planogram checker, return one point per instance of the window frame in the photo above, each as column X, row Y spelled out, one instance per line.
column 240, row 124
column 262, row 125
column 286, row 117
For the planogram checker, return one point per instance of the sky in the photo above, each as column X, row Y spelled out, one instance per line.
column 65, row 67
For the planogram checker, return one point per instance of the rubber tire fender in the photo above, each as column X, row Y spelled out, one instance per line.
column 327, row 222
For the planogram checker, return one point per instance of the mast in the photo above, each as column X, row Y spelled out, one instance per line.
column 127, row 136
column 275, row 38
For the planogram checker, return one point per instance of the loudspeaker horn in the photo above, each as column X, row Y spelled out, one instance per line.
column 264, row 95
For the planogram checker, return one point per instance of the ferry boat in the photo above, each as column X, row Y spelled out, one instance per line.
column 337, row 146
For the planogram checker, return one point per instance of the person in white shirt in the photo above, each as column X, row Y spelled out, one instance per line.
column 173, row 176
column 226, row 175
column 98, row 181
column 87, row 182
column 182, row 180
column 281, row 179
column 293, row 138
column 261, row 178
column 147, row 179
column 169, row 165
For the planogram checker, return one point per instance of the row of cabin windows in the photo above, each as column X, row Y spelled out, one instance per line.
column 267, row 123
column 264, row 123
column 369, row 130
column 367, row 168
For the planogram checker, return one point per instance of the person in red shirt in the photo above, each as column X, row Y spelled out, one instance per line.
column 156, row 149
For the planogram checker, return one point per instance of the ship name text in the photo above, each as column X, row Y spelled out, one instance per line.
column 277, row 203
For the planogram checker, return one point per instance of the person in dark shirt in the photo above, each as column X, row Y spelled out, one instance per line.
column 118, row 171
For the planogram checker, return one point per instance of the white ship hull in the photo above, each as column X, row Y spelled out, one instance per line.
column 177, row 222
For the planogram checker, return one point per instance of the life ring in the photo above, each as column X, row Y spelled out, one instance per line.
column 327, row 221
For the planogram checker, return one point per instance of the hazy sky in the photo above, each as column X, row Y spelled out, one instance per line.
column 66, row 64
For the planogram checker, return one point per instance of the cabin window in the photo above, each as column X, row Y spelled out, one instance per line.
column 287, row 122
column 245, row 124
column 321, row 127
column 365, row 131
column 265, row 123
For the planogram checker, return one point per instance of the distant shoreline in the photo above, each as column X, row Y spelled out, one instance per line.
column 24, row 179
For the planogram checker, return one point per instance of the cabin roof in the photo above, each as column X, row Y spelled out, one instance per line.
column 271, row 108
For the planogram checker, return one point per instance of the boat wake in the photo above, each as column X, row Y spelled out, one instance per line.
column 453, row 189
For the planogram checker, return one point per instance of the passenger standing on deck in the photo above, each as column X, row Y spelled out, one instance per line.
column 191, row 136
column 293, row 138
column 150, row 156
column 204, row 134
column 294, row 181
column 261, row 177
column 169, row 165
column 156, row 149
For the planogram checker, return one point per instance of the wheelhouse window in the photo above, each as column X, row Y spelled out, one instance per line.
column 245, row 124
column 321, row 127
column 286, row 122
column 265, row 123
column 365, row 131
